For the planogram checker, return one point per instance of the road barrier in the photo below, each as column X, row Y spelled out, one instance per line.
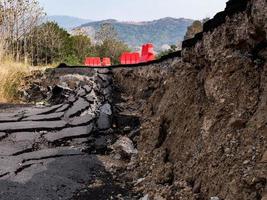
column 96, row 62
column 127, row 58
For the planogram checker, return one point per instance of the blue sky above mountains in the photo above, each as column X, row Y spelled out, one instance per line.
column 134, row 10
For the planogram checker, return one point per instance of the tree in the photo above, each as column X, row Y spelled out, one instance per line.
column 195, row 28
column 82, row 46
column 108, row 43
column 18, row 18
column 48, row 44
column 107, row 32
column 51, row 44
column 25, row 38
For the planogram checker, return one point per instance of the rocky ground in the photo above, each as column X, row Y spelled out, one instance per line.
column 203, row 132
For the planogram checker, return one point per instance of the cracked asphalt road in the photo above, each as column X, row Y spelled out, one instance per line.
column 43, row 149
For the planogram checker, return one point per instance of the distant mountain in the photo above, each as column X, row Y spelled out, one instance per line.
column 159, row 32
column 67, row 22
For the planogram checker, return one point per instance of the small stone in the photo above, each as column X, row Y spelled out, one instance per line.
column 117, row 156
column 140, row 180
column 264, row 157
column 222, row 100
column 119, row 195
column 227, row 150
column 41, row 103
column 197, row 187
column 124, row 146
column 146, row 197
column 87, row 88
column 127, row 129
column 245, row 162
column 237, row 123
column 106, row 108
column 214, row 198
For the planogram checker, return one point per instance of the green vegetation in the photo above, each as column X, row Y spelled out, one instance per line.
column 159, row 32
column 172, row 49
column 51, row 44
column 108, row 43
column 196, row 27
column 26, row 39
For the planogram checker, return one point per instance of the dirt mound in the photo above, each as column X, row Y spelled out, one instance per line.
column 203, row 116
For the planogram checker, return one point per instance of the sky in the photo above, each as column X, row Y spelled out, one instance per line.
column 133, row 10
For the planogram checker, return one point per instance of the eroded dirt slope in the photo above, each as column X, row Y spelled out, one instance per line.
column 204, row 115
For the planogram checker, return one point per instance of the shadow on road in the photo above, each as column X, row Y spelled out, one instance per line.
column 75, row 177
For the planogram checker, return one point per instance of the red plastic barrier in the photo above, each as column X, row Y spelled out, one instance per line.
column 144, row 50
column 86, row 62
column 106, row 62
column 151, row 57
column 97, row 62
column 123, row 58
column 135, row 58
column 147, row 53
column 89, row 61
column 130, row 58
column 93, row 62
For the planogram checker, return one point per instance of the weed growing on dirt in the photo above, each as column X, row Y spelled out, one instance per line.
column 11, row 75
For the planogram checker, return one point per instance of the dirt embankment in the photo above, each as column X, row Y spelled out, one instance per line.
column 204, row 115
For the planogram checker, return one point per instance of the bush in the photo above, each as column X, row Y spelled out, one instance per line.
column 71, row 60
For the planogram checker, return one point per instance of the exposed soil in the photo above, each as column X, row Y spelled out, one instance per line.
column 203, row 116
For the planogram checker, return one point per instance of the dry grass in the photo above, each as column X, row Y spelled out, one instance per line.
column 11, row 75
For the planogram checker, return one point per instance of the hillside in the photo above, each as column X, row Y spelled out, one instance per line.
column 202, row 116
column 67, row 22
column 159, row 32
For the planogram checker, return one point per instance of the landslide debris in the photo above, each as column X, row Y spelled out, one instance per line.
column 203, row 123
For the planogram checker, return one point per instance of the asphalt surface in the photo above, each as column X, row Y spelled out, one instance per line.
column 43, row 150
